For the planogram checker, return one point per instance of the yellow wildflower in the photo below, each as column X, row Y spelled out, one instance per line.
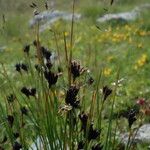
column 142, row 60
column 140, row 45
column 110, row 58
column 142, row 33
column 66, row 33
column 135, row 67
column 107, row 71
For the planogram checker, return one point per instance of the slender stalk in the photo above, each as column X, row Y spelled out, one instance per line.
column 57, row 47
column 38, row 46
column 108, row 137
column 71, row 41
column 129, row 139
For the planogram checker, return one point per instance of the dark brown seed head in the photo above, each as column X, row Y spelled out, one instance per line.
column 11, row 98
column 49, row 65
column 76, row 69
column 18, row 67
column 33, row 92
column 112, row 1
column 16, row 135
column 60, row 69
column 90, row 81
column 17, row 146
column 24, row 110
column 46, row 53
column 51, row 77
column 24, row 67
column 71, row 96
column 81, row 145
column 97, row 147
column 131, row 117
column 35, row 43
column 46, row 5
column 33, row 5
column 93, row 133
column 28, row 92
column 38, row 67
column 10, row 120
column 25, row 91
column 106, row 92
column 83, row 117
column 26, row 49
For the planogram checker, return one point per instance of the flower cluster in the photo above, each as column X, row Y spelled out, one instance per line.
column 51, row 77
column 71, row 96
column 76, row 69
column 29, row 91
column 21, row 66
column 141, row 61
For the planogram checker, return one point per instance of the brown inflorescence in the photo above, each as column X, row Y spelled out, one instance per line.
column 71, row 96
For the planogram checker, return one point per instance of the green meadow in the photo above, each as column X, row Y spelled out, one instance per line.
column 96, row 88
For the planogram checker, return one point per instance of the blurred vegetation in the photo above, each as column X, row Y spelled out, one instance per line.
column 108, row 46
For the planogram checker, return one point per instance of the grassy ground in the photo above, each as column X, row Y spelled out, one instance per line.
column 113, row 47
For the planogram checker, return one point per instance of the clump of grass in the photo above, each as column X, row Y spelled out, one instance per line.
column 60, row 103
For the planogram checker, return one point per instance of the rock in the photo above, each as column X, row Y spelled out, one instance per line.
column 46, row 18
column 142, row 135
column 126, row 16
